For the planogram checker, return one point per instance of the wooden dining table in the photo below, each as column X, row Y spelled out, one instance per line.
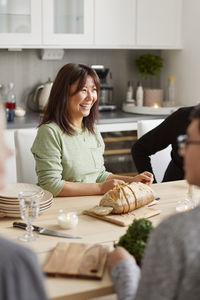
column 92, row 231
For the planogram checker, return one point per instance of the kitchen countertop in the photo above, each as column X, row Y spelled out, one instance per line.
column 32, row 119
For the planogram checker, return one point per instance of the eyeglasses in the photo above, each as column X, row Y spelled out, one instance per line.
column 183, row 142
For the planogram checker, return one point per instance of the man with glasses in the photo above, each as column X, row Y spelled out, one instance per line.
column 171, row 264
column 158, row 139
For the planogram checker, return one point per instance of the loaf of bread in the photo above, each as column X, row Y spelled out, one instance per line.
column 126, row 198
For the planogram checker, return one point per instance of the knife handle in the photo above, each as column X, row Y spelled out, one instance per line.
column 20, row 225
column 24, row 225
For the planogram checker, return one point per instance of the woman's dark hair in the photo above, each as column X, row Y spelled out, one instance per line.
column 195, row 114
column 57, row 107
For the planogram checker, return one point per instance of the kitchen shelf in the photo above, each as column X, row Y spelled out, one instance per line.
column 117, row 151
column 120, row 139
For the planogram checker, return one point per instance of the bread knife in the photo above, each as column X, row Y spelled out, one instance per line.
column 45, row 231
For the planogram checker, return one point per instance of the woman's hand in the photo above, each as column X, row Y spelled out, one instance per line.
column 109, row 184
column 119, row 253
column 145, row 177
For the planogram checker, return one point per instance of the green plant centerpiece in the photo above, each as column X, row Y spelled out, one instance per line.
column 149, row 66
column 135, row 238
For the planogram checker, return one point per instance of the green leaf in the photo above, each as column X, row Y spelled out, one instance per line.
column 135, row 238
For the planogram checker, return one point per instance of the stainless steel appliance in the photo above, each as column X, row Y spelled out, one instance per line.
column 106, row 90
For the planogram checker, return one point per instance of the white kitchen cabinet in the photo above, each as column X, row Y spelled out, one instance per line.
column 159, row 23
column 115, row 23
column 138, row 23
column 20, row 23
column 67, row 22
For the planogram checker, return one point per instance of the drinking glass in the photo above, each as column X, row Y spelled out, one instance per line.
column 29, row 202
column 189, row 201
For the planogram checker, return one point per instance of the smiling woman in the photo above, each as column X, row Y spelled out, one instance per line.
column 68, row 148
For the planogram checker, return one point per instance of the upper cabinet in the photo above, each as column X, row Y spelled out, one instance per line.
column 117, row 24
column 67, row 22
column 20, row 22
column 159, row 23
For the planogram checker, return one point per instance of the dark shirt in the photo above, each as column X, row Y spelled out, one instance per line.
column 159, row 138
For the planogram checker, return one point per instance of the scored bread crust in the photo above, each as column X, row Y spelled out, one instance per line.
column 130, row 198
column 119, row 204
column 143, row 193
column 126, row 198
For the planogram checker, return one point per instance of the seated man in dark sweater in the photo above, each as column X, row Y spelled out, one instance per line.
column 158, row 139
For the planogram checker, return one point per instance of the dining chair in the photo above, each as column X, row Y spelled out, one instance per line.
column 25, row 161
column 11, row 173
column 161, row 159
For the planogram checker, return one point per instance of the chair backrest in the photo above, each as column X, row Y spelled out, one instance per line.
column 25, row 161
column 11, row 172
column 161, row 159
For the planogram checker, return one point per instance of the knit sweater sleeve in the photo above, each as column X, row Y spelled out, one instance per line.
column 20, row 275
column 103, row 173
column 47, row 153
column 125, row 275
column 162, row 264
column 162, row 267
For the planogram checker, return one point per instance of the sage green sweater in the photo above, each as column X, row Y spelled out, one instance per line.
column 60, row 157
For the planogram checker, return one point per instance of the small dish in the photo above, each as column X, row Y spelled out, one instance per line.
column 67, row 219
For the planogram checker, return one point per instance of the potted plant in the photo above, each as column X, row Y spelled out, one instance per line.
column 150, row 65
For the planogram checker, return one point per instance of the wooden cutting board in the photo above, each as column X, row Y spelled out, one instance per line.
column 77, row 259
column 128, row 218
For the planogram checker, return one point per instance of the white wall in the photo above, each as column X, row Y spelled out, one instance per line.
column 185, row 64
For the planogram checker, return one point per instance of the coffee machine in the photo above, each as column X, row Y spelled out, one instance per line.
column 106, row 89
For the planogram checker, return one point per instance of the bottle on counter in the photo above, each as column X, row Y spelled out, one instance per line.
column 129, row 92
column 10, row 102
column 171, row 97
column 10, row 97
column 139, row 94
column 1, row 93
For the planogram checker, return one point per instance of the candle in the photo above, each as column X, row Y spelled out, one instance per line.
column 20, row 112
column 67, row 220
column 182, row 208
column 155, row 105
column 183, row 205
